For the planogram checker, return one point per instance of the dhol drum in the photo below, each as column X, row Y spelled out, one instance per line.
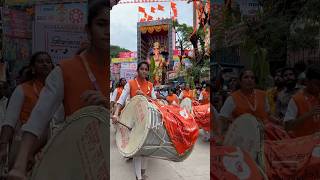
column 229, row 162
column 148, row 136
column 247, row 133
column 202, row 116
column 186, row 103
column 79, row 150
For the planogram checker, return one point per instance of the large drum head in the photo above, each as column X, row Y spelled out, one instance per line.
column 137, row 116
column 79, row 150
column 246, row 133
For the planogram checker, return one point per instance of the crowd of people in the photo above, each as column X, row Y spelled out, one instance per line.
column 140, row 85
column 48, row 93
column 287, row 111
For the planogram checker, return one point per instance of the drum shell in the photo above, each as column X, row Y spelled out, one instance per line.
column 155, row 143
column 78, row 150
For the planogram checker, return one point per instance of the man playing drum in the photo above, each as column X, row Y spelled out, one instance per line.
column 63, row 85
column 137, row 86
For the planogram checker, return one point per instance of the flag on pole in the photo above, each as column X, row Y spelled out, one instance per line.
column 141, row 9
column 175, row 12
column 173, row 5
column 153, row 9
column 150, row 18
column 160, row 8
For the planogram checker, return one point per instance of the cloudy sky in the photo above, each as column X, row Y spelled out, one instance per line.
column 124, row 18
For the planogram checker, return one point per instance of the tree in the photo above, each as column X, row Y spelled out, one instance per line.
column 114, row 51
column 280, row 26
column 183, row 33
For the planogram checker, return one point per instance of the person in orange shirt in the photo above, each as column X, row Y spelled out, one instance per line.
column 137, row 86
column 117, row 93
column 24, row 99
column 76, row 82
column 187, row 93
column 246, row 100
column 172, row 98
column 204, row 97
column 303, row 113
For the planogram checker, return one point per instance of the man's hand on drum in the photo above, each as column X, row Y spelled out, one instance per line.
column 16, row 174
column 91, row 97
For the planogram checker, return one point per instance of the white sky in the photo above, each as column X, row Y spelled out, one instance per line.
column 124, row 18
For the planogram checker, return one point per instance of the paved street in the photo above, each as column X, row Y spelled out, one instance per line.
column 196, row 167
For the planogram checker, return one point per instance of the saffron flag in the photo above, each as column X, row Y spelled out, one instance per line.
column 153, row 9
column 173, row 5
column 141, row 9
column 160, row 8
column 150, row 18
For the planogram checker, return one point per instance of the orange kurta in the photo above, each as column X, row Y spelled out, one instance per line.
column 145, row 86
column 76, row 81
column 188, row 94
column 206, row 97
column 304, row 105
column 119, row 92
column 172, row 98
column 243, row 107
column 31, row 91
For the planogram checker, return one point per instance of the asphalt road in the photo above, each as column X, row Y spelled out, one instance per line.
column 195, row 167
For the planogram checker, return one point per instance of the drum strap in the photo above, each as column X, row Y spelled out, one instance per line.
column 140, row 86
column 89, row 72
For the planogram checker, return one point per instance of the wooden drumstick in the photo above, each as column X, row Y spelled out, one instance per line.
column 125, row 125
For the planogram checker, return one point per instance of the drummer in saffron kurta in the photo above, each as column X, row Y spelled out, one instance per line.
column 204, row 97
column 70, row 83
column 136, row 86
column 24, row 99
column 117, row 93
column 303, row 114
column 246, row 100
column 187, row 93
column 172, row 98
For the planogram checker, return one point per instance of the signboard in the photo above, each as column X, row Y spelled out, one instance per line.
column 59, row 29
column 123, row 60
column 60, row 41
column 127, row 55
column 128, row 73
column 129, row 66
column 73, row 13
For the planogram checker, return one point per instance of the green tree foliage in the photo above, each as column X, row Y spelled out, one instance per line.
column 114, row 51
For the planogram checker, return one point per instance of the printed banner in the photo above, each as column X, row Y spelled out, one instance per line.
column 60, row 41
column 128, row 73
column 74, row 13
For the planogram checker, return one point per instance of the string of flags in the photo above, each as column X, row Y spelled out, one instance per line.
column 144, row 1
column 153, row 10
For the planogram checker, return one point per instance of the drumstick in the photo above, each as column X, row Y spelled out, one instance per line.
column 125, row 125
